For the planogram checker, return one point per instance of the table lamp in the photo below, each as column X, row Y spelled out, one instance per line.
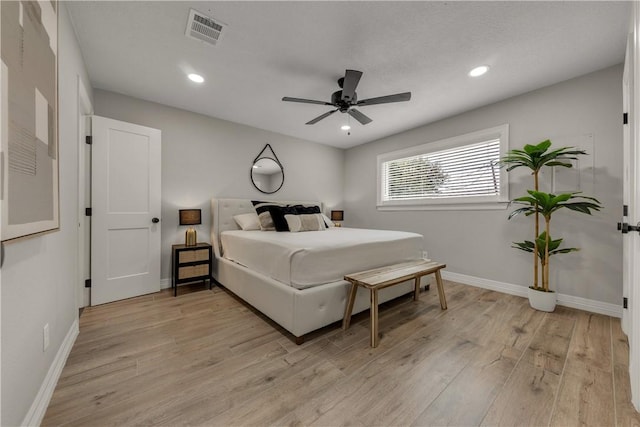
column 336, row 217
column 190, row 217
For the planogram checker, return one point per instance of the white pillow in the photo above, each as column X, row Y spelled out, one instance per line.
column 248, row 221
column 305, row 222
column 328, row 221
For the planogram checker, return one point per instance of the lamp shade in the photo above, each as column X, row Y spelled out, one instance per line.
column 190, row 217
column 337, row 215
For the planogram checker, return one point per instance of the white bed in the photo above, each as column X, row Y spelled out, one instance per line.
column 285, row 286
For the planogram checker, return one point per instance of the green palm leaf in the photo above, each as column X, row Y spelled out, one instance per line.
column 539, row 148
column 554, row 246
column 547, row 203
column 535, row 157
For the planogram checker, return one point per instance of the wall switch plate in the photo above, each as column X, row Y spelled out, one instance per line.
column 45, row 337
column 425, row 255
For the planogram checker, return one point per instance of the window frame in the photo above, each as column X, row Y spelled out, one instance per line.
column 500, row 132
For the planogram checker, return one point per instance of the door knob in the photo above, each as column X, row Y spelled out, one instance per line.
column 625, row 228
column 155, row 220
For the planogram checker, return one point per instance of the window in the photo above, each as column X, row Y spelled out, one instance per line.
column 458, row 172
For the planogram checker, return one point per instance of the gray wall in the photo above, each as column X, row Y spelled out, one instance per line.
column 204, row 157
column 477, row 243
column 39, row 275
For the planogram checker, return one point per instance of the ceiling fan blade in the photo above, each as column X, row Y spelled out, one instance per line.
column 351, row 80
column 359, row 116
column 317, row 119
column 305, row 101
column 398, row 97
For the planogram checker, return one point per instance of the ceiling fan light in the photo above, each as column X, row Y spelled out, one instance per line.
column 478, row 71
column 196, row 78
column 345, row 127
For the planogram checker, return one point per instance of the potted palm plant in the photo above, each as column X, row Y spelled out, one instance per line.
column 545, row 204
column 535, row 157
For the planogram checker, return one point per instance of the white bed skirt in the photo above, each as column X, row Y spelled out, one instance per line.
column 298, row 311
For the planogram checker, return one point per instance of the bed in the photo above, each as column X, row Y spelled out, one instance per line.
column 300, row 284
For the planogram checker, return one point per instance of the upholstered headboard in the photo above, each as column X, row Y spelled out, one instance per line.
column 223, row 210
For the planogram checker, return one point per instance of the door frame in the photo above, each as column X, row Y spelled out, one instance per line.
column 84, row 111
column 633, row 323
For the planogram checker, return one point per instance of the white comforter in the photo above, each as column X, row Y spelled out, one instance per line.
column 313, row 258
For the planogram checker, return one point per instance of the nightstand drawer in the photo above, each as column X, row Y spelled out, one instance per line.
column 193, row 271
column 191, row 256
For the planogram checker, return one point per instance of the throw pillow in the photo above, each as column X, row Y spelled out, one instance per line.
column 277, row 215
column 305, row 222
column 248, row 221
column 262, row 209
column 327, row 221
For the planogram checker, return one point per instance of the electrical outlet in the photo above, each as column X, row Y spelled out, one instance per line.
column 425, row 255
column 45, row 337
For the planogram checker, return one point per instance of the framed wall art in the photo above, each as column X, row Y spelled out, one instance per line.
column 29, row 118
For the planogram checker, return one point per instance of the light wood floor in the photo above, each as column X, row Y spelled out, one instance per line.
column 204, row 358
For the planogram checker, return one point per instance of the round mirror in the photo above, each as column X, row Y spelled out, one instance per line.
column 267, row 175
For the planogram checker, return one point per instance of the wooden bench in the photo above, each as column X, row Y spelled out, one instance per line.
column 383, row 277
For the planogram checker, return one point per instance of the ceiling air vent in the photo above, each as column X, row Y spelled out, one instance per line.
column 204, row 28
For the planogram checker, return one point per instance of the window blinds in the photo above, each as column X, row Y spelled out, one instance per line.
column 464, row 171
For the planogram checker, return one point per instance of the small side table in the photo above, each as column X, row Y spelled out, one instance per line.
column 191, row 264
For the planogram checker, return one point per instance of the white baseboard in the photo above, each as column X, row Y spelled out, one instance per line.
column 41, row 402
column 580, row 303
column 593, row 306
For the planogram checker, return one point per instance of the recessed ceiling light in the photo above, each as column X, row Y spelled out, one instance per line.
column 478, row 71
column 345, row 127
column 196, row 78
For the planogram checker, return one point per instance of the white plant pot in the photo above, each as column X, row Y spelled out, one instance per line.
column 543, row 301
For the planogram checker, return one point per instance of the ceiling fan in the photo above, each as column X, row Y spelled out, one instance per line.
column 345, row 99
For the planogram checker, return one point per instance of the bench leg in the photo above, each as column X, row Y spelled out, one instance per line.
column 374, row 318
column 349, row 308
column 443, row 300
column 416, row 290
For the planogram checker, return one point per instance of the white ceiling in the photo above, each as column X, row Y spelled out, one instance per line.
column 299, row 49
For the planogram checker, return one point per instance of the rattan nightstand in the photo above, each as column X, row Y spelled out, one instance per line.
column 191, row 264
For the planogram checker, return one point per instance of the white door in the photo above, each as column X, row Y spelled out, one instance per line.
column 631, row 193
column 628, row 173
column 125, row 201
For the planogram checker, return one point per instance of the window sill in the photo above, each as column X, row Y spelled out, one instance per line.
column 486, row 206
